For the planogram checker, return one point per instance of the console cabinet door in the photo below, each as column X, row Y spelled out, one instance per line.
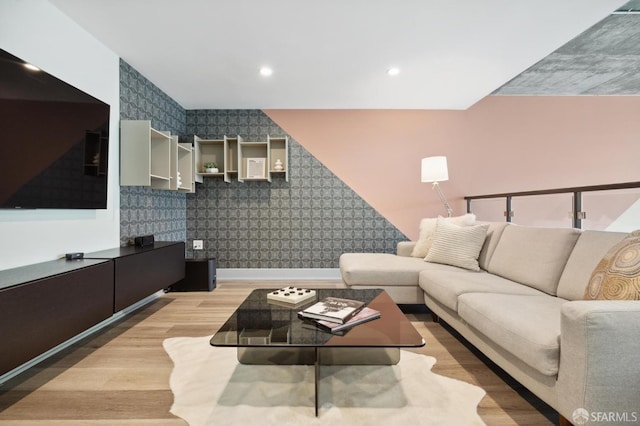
column 39, row 315
column 142, row 274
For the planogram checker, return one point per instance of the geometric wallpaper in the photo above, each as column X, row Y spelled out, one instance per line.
column 146, row 211
column 306, row 222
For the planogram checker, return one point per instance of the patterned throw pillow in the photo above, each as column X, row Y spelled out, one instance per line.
column 428, row 227
column 617, row 276
column 457, row 245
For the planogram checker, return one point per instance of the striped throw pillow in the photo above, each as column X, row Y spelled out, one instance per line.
column 457, row 245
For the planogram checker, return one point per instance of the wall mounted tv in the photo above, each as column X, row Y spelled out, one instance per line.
column 54, row 141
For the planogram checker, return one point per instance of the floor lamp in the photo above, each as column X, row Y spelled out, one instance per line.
column 434, row 169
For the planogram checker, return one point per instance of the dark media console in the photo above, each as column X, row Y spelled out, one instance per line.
column 141, row 271
column 46, row 304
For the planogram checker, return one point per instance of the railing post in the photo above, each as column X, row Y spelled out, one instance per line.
column 468, row 205
column 577, row 210
column 508, row 213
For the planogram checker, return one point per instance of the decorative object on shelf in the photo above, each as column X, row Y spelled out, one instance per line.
column 434, row 169
column 256, row 168
column 278, row 166
column 211, row 168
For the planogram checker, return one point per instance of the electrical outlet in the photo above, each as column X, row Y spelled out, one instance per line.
column 197, row 244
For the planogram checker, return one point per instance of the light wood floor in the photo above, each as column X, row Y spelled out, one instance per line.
column 120, row 376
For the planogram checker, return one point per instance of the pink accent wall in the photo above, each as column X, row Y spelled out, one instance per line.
column 501, row 144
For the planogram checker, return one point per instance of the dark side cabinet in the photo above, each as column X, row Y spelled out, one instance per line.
column 200, row 275
column 43, row 311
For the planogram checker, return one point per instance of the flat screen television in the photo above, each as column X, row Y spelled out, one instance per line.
column 54, row 141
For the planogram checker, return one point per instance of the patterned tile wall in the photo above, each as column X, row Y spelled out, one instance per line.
column 143, row 210
column 304, row 223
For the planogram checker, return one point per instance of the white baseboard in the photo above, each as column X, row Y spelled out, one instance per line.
column 258, row 274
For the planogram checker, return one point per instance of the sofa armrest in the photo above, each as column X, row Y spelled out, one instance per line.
column 599, row 359
column 404, row 248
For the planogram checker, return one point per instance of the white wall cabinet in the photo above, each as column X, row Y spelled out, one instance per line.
column 149, row 157
column 244, row 160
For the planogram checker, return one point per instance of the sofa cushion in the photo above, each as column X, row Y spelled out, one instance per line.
column 405, row 248
column 587, row 253
column 457, row 245
column 526, row 326
column 533, row 256
column 447, row 286
column 617, row 276
column 491, row 241
column 383, row 269
column 428, row 227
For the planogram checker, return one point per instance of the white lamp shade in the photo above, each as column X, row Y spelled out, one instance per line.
column 434, row 169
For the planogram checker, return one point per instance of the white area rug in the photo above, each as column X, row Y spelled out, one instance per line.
column 210, row 387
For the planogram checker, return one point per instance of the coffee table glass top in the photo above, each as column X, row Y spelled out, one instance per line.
column 261, row 323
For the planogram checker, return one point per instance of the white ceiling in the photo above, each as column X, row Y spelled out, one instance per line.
column 333, row 54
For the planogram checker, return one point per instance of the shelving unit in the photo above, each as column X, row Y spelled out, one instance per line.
column 250, row 154
column 149, row 157
column 231, row 157
column 185, row 165
column 209, row 151
column 182, row 166
column 233, row 154
column 160, row 148
column 279, row 150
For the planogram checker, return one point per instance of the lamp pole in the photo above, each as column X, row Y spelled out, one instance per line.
column 436, row 187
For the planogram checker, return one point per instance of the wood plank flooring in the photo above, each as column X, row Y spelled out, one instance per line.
column 120, row 375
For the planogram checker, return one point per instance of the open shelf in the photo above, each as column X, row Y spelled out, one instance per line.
column 149, row 157
column 233, row 156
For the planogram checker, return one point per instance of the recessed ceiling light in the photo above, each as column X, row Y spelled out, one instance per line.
column 393, row 71
column 265, row 71
column 31, row 67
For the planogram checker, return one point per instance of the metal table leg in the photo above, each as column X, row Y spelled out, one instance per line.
column 317, row 377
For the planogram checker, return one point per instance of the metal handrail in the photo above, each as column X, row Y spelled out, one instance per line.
column 577, row 191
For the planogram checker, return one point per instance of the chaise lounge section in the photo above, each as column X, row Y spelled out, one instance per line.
column 524, row 308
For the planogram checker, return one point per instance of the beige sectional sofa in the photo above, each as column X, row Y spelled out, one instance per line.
column 525, row 311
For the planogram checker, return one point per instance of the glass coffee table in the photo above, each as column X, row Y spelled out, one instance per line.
column 267, row 332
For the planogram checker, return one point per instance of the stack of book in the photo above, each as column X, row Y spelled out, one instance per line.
column 337, row 315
